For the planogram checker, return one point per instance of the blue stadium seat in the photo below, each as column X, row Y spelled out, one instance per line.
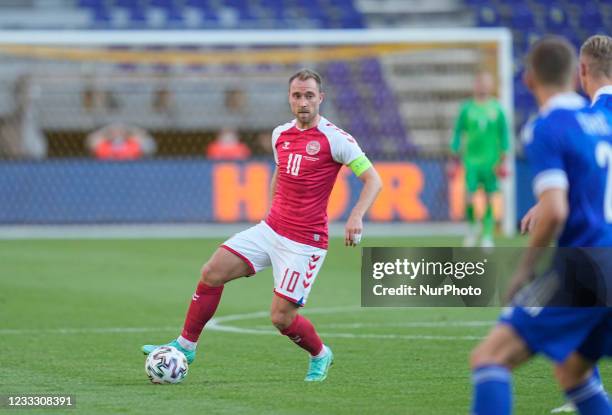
column 128, row 4
column 91, row 3
column 205, row 6
column 164, row 4
column 591, row 18
column 196, row 3
column 522, row 18
column 138, row 17
column 174, row 16
column 100, row 15
column 548, row 4
column 352, row 21
column 236, row 4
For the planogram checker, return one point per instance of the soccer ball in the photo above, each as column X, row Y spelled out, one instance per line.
column 166, row 364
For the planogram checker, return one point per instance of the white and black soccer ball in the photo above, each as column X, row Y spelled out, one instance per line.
column 166, row 364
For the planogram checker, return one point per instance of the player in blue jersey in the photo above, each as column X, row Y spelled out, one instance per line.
column 596, row 81
column 570, row 151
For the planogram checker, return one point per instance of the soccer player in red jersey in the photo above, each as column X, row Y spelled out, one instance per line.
column 309, row 152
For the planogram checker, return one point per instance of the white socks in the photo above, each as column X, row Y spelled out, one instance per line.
column 186, row 344
column 322, row 353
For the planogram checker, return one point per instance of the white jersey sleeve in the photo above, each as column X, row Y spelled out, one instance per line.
column 344, row 147
column 276, row 134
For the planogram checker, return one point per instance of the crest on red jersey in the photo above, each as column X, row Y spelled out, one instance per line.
column 313, row 147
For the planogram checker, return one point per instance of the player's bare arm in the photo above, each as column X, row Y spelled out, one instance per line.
column 529, row 220
column 372, row 185
column 552, row 211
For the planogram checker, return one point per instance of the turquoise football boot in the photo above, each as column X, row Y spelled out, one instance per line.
column 318, row 368
column 189, row 354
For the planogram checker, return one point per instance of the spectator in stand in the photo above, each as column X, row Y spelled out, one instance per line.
column 120, row 142
column 228, row 146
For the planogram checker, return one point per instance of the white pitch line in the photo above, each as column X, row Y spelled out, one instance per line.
column 218, row 324
column 240, row 330
column 415, row 324
column 89, row 330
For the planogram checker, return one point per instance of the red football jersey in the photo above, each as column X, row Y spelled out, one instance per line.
column 308, row 162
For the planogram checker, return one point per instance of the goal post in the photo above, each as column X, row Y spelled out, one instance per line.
column 396, row 91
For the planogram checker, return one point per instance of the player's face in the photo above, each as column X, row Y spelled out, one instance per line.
column 483, row 85
column 305, row 99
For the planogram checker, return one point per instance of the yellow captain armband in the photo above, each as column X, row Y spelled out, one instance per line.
column 360, row 164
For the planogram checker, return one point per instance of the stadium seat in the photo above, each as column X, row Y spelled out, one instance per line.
column 101, row 16
column 138, row 17
column 164, row 4
column 522, row 18
column 477, row 3
column 199, row 4
column 91, row 3
column 591, row 17
column 128, row 4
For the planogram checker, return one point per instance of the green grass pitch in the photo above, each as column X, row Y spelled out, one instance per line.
column 74, row 313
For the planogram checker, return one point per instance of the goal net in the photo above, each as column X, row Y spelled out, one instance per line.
column 174, row 127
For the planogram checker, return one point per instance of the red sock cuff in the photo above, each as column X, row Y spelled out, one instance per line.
column 207, row 289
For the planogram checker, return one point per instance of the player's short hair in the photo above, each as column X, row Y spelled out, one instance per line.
column 598, row 49
column 552, row 60
column 305, row 74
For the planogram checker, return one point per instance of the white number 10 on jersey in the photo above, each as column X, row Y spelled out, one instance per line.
column 293, row 164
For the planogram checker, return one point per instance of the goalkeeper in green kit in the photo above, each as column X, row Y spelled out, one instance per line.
column 480, row 141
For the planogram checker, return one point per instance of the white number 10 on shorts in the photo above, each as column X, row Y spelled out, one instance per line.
column 294, row 265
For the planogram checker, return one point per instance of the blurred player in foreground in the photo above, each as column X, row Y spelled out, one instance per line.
column 570, row 151
column 309, row 152
column 596, row 81
column 480, row 141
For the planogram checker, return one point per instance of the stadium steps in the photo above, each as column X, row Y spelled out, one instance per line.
column 43, row 18
column 416, row 77
column 414, row 13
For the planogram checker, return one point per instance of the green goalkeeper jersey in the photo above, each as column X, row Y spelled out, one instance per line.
column 482, row 128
